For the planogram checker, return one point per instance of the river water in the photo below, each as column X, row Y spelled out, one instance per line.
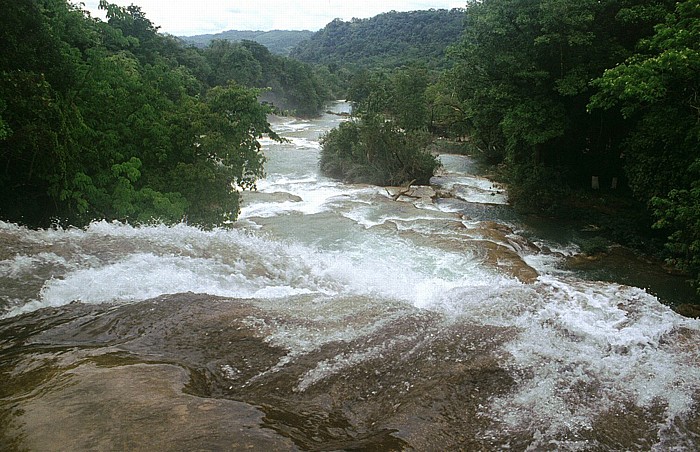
column 332, row 317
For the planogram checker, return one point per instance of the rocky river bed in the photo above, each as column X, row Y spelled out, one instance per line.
column 335, row 317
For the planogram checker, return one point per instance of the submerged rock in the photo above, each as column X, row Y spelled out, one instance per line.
column 194, row 371
column 140, row 407
column 250, row 197
column 688, row 310
column 199, row 372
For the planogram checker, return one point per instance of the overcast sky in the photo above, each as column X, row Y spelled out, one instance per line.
column 192, row 17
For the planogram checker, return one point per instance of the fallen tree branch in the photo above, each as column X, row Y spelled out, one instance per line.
column 403, row 192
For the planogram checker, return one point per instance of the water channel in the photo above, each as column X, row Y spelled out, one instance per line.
column 333, row 317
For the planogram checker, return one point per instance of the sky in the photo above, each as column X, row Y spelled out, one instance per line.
column 193, row 17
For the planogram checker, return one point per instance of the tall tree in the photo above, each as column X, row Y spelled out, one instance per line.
column 231, row 61
column 523, row 76
column 100, row 121
column 409, row 103
column 658, row 91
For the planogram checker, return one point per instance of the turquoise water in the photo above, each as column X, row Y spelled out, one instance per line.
column 332, row 317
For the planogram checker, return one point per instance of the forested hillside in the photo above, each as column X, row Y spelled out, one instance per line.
column 289, row 84
column 113, row 120
column 280, row 42
column 387, row 40
column 588, row 101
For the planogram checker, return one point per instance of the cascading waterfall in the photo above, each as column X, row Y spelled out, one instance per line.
column 331, row 316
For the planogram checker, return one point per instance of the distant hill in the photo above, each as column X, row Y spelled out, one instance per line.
column 389, row 39
column 280, row 42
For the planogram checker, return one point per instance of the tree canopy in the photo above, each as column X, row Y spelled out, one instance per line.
column 376, row 151
column 110, row 121
column 279, row 42
column 290, row 85
column 657, row 91
column 389, row 40
column 387, row 142
column 573, row 95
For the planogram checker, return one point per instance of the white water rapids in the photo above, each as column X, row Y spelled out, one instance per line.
column 336, row 263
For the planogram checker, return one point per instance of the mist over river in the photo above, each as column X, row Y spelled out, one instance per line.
column 333, row 317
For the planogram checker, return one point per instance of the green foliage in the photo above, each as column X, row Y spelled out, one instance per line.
column 374, row 151
column 562, row 90
column 370, row 92
column 521, row 86
column 102, row 121
column 229, row 61
column 679, row 214
column 656, row 90
column 387, row 40
column 659, row 150
column 377, row 150
column 409, row 103
column 334, row 80
column 279, row 42
column 400, row 94
column 289, row 84
column 537, row 188
column 595, row 245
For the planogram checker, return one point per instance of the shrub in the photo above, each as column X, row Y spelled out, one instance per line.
column 376, row 152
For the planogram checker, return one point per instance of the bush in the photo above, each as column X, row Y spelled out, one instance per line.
column 594, row 245
column 536, row 188
column 374, row 151
column 679, row 215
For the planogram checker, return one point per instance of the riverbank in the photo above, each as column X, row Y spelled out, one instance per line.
column 612, row 232
column 615, row 232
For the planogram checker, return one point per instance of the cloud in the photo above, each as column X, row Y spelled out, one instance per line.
column 189, row 17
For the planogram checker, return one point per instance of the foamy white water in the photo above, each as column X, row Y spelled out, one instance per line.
column 311, row 248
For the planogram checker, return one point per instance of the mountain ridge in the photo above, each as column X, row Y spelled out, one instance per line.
column 389, row 39
column 280, row 42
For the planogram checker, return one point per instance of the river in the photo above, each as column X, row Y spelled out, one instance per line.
column 333, row 317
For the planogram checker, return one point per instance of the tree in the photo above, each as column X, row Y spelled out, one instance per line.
column 289, row 84
column 409, row 104
column 522, row 83
column 375, row 151
column 38, row 71
column 232, row 62
column 101, row 121
column 657, row 90
column 678, row 213
column 370, row 92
